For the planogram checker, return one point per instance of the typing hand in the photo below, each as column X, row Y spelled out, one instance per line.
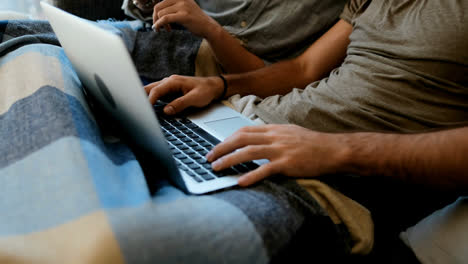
column 292, row 151
column 194, row 91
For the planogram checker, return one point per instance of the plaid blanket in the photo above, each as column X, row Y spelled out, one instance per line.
column 70, row 195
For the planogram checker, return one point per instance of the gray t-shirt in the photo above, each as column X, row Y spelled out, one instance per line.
column 406, row 70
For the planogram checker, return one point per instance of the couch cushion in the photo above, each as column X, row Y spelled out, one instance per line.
column 442, row 236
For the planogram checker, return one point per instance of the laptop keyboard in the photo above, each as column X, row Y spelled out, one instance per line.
column 189, row 144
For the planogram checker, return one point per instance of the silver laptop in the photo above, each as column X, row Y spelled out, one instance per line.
column 175, row 146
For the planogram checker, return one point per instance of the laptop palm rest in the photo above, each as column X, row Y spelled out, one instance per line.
column 220, row 120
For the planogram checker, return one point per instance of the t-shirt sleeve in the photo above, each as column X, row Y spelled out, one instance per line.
column 351, row 9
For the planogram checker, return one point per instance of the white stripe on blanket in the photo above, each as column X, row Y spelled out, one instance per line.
column 26, row 74
column 88, row 239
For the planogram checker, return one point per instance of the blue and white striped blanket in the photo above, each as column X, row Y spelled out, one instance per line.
column 69, row 196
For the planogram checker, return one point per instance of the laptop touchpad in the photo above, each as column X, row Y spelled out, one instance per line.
column 226, row 127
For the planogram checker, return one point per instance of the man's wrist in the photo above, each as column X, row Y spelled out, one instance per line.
column 214, row 32
column 225, row 87
column 357, row 153
column 371, row 153
column 217, row 84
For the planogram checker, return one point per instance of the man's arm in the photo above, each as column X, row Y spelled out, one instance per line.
column 316, row 62
column 230, row 54
column 438, row 159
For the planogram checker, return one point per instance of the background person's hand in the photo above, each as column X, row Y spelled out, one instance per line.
column 292, row 151
column 196, row 91
column 184, row 12
column 147, row 7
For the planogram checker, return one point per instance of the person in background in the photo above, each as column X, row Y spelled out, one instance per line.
column 243, row 35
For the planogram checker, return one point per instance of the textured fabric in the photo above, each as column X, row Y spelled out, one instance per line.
column 10, row 15
column 406, row 70
column 274, row 29
column 161, row 55
column 68, row 195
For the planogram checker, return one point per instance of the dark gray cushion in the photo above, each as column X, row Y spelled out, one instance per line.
column 92, row 9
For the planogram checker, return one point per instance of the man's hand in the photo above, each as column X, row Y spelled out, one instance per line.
column 292, row 151
column 198, row 92
column 186, row 13
column 437, row 159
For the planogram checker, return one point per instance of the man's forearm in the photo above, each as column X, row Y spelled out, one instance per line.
column 438, row 159
column 280, row 78
column 230, row 54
